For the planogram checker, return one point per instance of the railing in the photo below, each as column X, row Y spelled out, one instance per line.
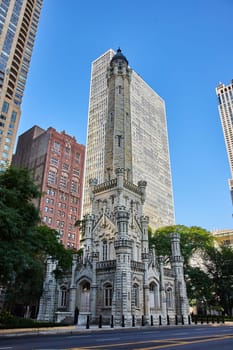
column 136, row 265
column 108, row 264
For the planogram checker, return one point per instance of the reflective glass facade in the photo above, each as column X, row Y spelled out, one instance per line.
column 225, row 108
column 18, row 25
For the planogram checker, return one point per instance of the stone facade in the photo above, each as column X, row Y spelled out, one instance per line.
column 117, row 276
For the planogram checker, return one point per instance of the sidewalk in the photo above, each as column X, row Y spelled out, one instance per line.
column 82, row 329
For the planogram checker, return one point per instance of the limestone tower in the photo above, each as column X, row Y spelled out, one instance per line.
column 118, row 145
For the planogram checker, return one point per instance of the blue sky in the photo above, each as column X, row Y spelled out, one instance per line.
column 181, row 48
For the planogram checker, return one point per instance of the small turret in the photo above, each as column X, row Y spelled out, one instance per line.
column 177, row 262
column 118, row 57
column 142, row 187
column 92, row 184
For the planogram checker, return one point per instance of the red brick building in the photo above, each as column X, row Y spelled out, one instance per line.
column 57, row 162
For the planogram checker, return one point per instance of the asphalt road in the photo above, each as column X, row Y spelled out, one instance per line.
column 184, row 338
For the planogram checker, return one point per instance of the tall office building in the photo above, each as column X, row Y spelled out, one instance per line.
column 18, row 25
column 148, row 140
column 57, row 163
column 225, row 108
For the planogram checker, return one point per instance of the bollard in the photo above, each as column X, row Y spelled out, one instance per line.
column 168, row 320
column 207, row 319
column 143, row 323
column 182, row 319
column 189, row 319
column 160, row 320
column 212, row 319
column 196, row 319
column 123, row 321
column 223, row 321
column 88, row 322
column 133, row 321
column 100, row 321
column 176, row 320
column 201, row 319
column 112, row 322
column 217, row 319
column 151, row 320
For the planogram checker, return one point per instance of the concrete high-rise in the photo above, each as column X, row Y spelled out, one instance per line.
column 57, row 163
column 18, row 26
column 225, row 108
column 147, row 139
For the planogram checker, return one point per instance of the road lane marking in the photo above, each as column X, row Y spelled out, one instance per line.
column 78, row 336
column 170, row 343
column 185, row 343
column 108, row 339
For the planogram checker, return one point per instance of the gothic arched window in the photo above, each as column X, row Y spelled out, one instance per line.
column 154, row 295
column 105, row 250
column 136, row 295
column 63, row 296
column 85, row 297
column 108, row 295
column 169, row 297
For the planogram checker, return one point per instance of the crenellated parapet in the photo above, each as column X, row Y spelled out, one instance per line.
column 177, row 259
column 89, row 220
column 122, row 220
column 144, row 220
column 123, row 243
column 121, row 213
column 132, row 187
column 107, row 185
column 175, row 243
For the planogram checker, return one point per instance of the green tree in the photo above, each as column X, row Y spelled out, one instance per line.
column 24, row 245
column 200, row 288
column 218, row 262
column 192, row 240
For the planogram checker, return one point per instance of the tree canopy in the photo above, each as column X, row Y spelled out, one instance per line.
column 218, row 262
column 192, row 239
column 24, row 243
column 210, row 282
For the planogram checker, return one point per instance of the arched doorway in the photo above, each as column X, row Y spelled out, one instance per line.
column 154, row 296
column 85, row 297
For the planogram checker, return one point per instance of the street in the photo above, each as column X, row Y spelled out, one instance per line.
column 184, row 338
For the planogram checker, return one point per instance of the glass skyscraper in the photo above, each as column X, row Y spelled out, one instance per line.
column 18, row 26
column 149, row 138
column 225, row 108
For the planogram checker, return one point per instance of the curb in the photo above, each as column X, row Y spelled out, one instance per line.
column 80, row 330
